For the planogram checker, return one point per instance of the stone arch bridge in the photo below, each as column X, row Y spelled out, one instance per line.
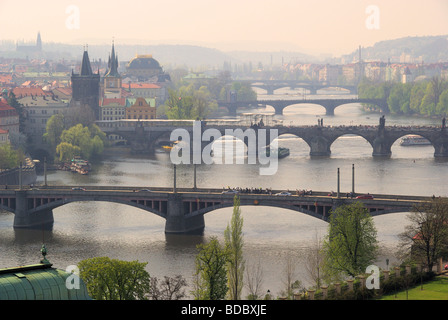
column 183, row 209
column 280, row 104
column 143, row 135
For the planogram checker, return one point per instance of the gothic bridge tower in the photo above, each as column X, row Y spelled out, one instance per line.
column 86, row 86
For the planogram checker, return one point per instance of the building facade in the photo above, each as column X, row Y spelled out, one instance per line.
column 141, row 108
column 9, row 118
column 39, row 110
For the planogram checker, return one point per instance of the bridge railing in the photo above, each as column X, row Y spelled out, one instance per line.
column 262, row 191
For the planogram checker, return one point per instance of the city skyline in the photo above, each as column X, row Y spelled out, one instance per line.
column 318, row 27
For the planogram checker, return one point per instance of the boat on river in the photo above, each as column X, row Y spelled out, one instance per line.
column 414, row 140
column 280, row 152
column 80, row 166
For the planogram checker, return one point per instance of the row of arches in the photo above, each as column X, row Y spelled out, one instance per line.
column 344, row 141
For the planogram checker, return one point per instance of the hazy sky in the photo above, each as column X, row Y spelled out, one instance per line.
column 320, row 26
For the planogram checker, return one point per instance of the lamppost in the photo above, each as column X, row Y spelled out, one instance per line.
column 174, row 186
column 338, row 183
column 195, row 176
column 353, row 179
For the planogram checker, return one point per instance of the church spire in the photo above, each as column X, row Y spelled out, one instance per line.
column 113, row 64
column 86, row 68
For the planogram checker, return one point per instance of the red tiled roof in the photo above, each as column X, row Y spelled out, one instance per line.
column 24, row 92
column 107, row 101
column 140, row 86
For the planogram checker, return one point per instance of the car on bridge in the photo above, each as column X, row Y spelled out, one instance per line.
column 78, row 189
column 365, row 196
column 144, row 190
column 283, row 193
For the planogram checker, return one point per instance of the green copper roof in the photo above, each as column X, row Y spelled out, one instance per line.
column 38, row 282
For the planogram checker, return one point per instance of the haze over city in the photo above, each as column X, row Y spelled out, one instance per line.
column 312, row 27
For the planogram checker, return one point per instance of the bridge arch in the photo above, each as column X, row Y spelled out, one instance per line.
column 229, row 204
column 348, row 139
column 301, row 142
column 137, row 204
column 414, row 133
column 307, row 107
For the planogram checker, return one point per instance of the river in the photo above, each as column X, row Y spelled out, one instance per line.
column 85, row 230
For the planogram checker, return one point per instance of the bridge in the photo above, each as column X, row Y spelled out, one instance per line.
column 182, row 208
column 143, row 135
column 312, row 86
column 279, row 104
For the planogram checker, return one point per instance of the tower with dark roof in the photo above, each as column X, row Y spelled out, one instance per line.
column 112, row 79
column 86, row 86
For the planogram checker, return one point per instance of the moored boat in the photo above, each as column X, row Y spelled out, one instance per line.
column 280, row 152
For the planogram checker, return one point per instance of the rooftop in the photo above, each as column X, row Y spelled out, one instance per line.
column 39, row 282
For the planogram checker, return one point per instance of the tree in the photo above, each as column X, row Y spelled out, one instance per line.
column 55, row 127
column 112, row 279
column 289, row 278
column 399, row 97
column 233, row 236
column 314, row 260
column 442, row 106
column 254, row 280
column 86, row 142
column 79, row 114
column 67, row 151
column 13, row 102
column 210, row 278
column 350, row 245
column 417, row 94
column 9, row 157
column 425, row 239
column 168, row 289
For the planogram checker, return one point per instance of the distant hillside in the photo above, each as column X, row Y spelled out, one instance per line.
column 167, row 55
column 430, row 49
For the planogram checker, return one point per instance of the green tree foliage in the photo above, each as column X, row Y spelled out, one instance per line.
column 112, row 279
column 442, row 106
column 244, row 91
column 188, row 103
column 198, row 98
column 233, row 236
column 399, row 98
column 67, row 151
column 81, row 141
column 210, row 271
column 55, row 127
column 427, row 97
column 350, row 245
column 9, row 157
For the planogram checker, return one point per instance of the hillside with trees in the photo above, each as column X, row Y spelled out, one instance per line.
column 425, row 98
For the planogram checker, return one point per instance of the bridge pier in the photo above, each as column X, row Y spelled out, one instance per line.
column 319, row 147
column 25, row 219
column 381, row 145
column 441, row 146
column 177, row 223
